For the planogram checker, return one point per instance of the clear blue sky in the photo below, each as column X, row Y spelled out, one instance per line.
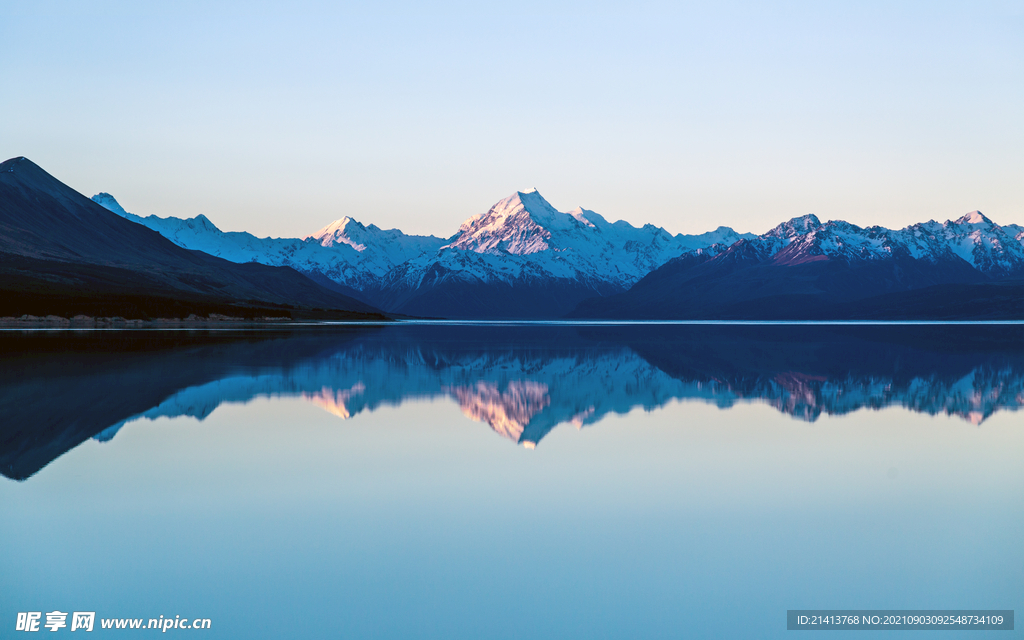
column 277, row 118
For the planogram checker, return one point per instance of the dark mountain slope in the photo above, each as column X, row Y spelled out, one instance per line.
column 56, row 244
column 743, row 283
column 442, row 294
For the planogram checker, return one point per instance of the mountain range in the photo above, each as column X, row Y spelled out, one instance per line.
column 524, row 259
column 521, row 259
column 803, row 268
column 63, row 253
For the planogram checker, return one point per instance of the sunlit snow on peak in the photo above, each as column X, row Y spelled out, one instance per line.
column 340, row 231
column 974, row 217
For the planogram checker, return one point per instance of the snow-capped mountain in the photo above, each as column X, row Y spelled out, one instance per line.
column 345, row 251
column 521, row 258
column 391, row 244
column 580, row 245
column 804, row 269
column 986, row 246
column 57, row 243
column 975, row 239
column 525, row 259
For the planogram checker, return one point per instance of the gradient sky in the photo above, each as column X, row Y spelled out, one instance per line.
column 277, row 118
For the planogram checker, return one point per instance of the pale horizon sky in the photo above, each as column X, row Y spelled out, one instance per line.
column 279, row 118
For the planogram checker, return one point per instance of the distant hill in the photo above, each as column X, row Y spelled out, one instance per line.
column 63, row 254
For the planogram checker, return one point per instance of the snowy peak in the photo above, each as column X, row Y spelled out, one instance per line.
column 525, row 224
column 528, row 202
column 387, row 248
column 974, row 217
column 972, row 238
column 796, row 227
column 589, row 218
column 520, row 224
column 109, row 203
column 523, row 240
column 983, row 244
column 343, row 231
column 726, row 236
column 199, row 224
column 203, row 223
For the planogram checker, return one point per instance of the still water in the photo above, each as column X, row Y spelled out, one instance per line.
column 510, row 481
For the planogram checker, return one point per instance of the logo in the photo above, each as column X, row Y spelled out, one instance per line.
column 80, row 620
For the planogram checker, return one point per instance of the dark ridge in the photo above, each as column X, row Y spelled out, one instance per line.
column 738, row 286
column 55, row 242
column 440, row 295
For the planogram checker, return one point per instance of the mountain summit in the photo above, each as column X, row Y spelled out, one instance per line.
column 391, row 246
column 974, row 217
column 340, row 231
column 520, row 224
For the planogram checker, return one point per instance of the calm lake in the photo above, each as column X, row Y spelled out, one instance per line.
column 510, row 481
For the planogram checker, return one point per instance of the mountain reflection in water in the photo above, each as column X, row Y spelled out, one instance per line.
column 57, row 390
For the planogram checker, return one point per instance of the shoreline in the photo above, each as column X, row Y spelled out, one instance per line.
column 215, row 320
column 116, row 322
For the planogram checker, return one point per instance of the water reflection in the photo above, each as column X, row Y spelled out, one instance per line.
column 57, row 390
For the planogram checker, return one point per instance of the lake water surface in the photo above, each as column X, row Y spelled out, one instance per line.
column 510, row 481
